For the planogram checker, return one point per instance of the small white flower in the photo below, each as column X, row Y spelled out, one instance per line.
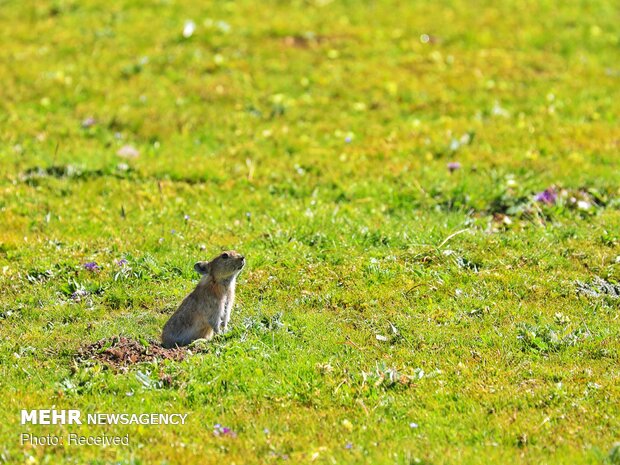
column 497, row 110
column 223, row 26
column 189, row 28
column 583, row 205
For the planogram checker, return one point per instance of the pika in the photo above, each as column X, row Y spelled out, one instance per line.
column 206, row 311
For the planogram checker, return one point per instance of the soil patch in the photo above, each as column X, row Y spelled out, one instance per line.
column 121, row 352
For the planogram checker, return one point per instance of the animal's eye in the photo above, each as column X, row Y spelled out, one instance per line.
column 225, row 256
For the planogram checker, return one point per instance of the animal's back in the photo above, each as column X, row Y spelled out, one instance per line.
column 188, row 323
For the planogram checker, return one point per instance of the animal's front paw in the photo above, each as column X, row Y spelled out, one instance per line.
column 199, row 344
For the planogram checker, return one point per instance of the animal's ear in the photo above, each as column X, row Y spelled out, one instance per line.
column 202, row 267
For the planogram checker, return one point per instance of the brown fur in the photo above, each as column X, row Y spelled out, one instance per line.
column 206, row 310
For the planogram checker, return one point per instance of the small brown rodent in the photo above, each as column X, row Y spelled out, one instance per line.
column 206, row 311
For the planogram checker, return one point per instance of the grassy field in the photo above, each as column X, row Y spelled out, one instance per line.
column 427, row 193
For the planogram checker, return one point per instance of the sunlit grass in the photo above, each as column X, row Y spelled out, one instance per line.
column 427, row 194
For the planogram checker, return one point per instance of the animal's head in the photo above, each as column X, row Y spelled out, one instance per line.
column 225, row 265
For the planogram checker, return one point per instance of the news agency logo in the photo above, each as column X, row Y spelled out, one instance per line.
column 74, row 417
column 51, row 417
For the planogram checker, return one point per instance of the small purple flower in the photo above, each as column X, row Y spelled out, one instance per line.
column 122, row 262
column 548, row 196
column 348, row 139
column 219, row 430
column 453, row 166
column 266, row 431
column 91, row 266
column 77, row 295
column 89, row 122
column 186, row 217
column 348, row 445
column 173, row 231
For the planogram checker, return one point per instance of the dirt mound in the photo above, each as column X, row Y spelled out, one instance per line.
column 122, row 352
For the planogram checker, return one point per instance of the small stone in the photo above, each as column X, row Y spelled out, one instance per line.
column 128, row 151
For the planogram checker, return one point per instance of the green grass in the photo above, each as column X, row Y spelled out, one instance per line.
column 314, row 137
